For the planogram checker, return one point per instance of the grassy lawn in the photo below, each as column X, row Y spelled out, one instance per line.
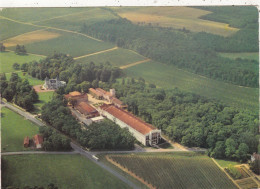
column 250, row 56
column 76, row 21
column 168, row 76
column 175, row 170
column 226, row 163
column 68, row 43
column 65, row 171
column 33, row 81
column 7, row 59
column 117, row 57
column 14, row 129
column 43, row 98
column 10, row 29
column 175, row 17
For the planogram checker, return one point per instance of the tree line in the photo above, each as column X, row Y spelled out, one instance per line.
column 193, row 120
column 195, row 52
column 19, row 91
column 104, row 135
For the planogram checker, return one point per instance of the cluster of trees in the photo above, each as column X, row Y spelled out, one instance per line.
column 79, row 77
column 20, row 49
column 195, row 52
column 105, row 135
column 255, row 166
column 18, row 91
column 53, row 141
column 2, row 47
column 193, row 120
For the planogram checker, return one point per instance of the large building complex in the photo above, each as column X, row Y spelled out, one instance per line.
column 142, row 131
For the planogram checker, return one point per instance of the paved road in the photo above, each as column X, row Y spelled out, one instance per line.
column 23, row 113
column 88, row 155
column 36, row 152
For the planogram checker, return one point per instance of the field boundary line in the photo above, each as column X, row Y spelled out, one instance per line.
column 129, row 172
column 55, row 17
column 28, row 53
column 134, row 64
column 99, row 52
column 226, row 173
column 49, row 27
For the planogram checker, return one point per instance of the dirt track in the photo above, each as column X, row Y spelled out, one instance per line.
column 135, row 63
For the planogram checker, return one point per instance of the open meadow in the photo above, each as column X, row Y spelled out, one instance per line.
column 64, row 42
column 175, row 170
column 7, row 59
column 44, row 97
column 65, row 171
column 32, row 81
column 118, row 57
column 175, row 17
column 13, row 130
column 168, row 76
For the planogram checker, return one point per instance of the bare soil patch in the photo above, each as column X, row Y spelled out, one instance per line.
column 38, row 89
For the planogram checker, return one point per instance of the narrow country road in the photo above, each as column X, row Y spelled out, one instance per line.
column 88, row 155
column 35, row 152
column 95, row 53
column 27, row 115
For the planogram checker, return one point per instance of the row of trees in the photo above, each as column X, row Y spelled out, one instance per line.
column 193, row 120
column 196, row 52
column 20, row 49
column 53, row 141
column 105, row 135
column 19, row 91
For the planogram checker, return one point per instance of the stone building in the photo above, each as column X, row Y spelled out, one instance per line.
column 53, row 83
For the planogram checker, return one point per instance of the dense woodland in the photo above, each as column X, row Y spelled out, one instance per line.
column 104, row 135
column 193, row 120
column 19, row 91
column 196, row 52
column 53, row 141
column 78, row 76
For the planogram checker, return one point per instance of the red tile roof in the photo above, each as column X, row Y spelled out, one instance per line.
column 85, row 108
column 128, row 118
column 75, row 93
column 26, row 141
column 117, row 101
column 38, row 139
column 95, row 92
column 101, row 91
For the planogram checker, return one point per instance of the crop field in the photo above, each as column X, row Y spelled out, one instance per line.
column 10, row 29
column 7, row 59
column 175, row 171
column 118, row 57
column 37, row 14
column 250, row 56
column 68, row 43
column 176, row 17
column 168, row 76
column 13, row 130
column 247, row 183
column 65, row 171
column 31, row 37
column 75, row 22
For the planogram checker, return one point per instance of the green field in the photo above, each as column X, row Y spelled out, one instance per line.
column 168, row 76
column 65, row 171
column 33, row 81
column 68, row 43
column 226, row 163
column 117, row 57
column 13, row 130
column 37, row 14
column 250, row 56
column 43, row 98
column 76, row 21
column 10, row 29
column 175, row 170
column 7, row 59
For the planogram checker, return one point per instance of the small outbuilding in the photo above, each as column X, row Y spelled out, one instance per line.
column 38, row 140
column 26, row 142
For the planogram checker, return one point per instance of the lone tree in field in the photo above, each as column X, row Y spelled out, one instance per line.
column 20, row 50
column 16, row 66
column 2, row 47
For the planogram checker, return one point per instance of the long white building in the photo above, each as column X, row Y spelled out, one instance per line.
column 142, row 131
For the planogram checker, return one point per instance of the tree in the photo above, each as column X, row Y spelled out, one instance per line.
column 2, row 47
column 16, row 66
column 219, row 150
column 230, row 149
column 24, row 67
column 255, row 166
column 242, row 152
column 17, row 49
